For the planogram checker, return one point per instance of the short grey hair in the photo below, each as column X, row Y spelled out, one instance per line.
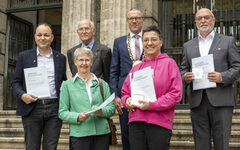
column 92, row 25
column 83, row 51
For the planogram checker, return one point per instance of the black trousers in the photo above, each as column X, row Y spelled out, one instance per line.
column 124, row 129
column 98, row 142
column 208, row 121
column 145, row 136
column 42, row 121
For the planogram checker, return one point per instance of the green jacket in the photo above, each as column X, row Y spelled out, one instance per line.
column 74, row 100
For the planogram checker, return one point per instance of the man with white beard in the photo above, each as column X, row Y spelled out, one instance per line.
column 211, row 108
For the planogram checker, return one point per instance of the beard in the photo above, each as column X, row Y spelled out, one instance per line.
column 205, row 29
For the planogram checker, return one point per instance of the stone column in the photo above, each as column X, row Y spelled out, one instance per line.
column 72, row 12
column 3, row 32
column 113, row 17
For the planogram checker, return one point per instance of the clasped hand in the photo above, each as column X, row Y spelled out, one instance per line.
column 83, row 116
column 144, row 105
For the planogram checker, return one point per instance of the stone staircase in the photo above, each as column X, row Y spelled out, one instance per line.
column 11, row 132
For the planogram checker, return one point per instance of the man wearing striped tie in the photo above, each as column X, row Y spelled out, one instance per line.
column 127, row 51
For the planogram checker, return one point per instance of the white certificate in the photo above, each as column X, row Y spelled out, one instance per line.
column 200, row 67
column 142, row 86
column 105, row 103
column 37, row 81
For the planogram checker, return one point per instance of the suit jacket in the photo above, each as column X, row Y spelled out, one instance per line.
column 28, row 59
column 226, row 61
column 121, row 65
column 101, row 60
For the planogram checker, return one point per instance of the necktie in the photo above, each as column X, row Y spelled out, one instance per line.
column 137, row 47
column 87, row 47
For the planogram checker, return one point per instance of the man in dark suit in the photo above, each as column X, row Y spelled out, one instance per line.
column 211, row 108
column 101, row 53
column 127, row 51
column 40, row 115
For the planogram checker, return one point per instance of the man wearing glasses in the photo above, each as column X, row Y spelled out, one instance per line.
column 211, row 108
column 127, row 51
column 101, row 53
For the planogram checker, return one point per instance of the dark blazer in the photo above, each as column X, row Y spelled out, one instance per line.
column 121, row 65
column 101, row 60
column 28, row 59
column 226, row 61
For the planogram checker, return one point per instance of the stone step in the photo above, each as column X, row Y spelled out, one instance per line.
column 11, row 149
column 11, row 132
column 19, row 132
column 189, row 145
column 185, row 114
column 180, row 114
column 177, row 135
column 8, row 114
column 187, row 135
column 185, row 124
column 18, row 144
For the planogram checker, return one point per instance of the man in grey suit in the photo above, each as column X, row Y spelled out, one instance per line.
column 101, row 53
column 211, row 108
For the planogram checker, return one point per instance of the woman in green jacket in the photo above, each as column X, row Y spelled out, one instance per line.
column 81, row 94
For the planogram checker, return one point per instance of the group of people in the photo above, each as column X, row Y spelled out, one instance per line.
column 147, row 126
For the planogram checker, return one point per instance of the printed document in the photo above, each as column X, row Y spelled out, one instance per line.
column 142, row 86
column 37, row 81
column 105, row 103
column 200, row 67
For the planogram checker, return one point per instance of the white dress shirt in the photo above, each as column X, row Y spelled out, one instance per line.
column 88, row 85
column 205, row 44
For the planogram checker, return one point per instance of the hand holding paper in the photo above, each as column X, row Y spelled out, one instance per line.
column 83, row 116
column 28, row 98
column 142, row 87
column 144, row 105
column 98, row 112
column 105, row 103
column 37, row 81
column 207, row 65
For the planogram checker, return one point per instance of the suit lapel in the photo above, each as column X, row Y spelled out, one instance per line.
column 95, row 51
column 34, row 57
column 125, row 46
column 56, row 65
column 195, row 51
column 215, row 43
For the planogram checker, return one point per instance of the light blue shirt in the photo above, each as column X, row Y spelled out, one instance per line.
column 48, row 63
column 90, row 45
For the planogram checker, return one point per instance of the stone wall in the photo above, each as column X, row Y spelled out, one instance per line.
column 109, row 17
column 3, row 26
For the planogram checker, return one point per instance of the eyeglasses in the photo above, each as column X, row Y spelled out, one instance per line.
column 39, row 35
column 153, row 40
column 199, row 18
column 84, row 29
column 136, row 18
column 83, row 60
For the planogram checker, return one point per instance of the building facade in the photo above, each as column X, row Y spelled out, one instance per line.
column 174, row 17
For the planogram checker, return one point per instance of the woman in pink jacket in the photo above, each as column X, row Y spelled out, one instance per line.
column 150, row 123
